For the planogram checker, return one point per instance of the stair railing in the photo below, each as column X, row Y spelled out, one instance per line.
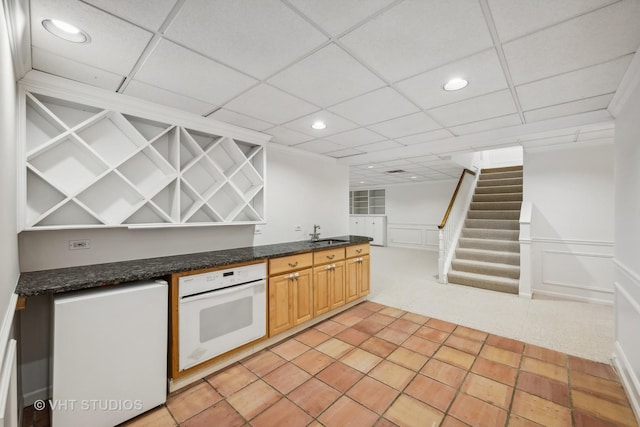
column 453, row 221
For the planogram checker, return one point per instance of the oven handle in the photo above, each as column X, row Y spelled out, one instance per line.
column 231, row 290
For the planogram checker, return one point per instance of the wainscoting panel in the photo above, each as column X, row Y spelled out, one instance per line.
column 626, row 355
column 418, row 236
column 577, row 270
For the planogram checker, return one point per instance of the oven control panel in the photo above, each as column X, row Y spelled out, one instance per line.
column 219, row 279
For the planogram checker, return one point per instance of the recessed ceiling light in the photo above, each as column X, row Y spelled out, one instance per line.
column 370, row 167
column 65, row 31
column 319, row 125
column 455, row 84
column 361, row 182
column 414, row 177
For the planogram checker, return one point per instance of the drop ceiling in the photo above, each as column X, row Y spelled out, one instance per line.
column 540, row 72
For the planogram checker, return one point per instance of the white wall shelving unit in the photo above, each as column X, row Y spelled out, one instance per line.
column 88, row 166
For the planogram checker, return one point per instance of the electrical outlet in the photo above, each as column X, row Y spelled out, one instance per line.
column 75, row 245
column 298, row 228
column 257, row 230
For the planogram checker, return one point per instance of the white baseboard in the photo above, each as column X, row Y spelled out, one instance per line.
column 630, row 381
column 565, row 297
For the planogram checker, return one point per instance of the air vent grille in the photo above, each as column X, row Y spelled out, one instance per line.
column 397, row 171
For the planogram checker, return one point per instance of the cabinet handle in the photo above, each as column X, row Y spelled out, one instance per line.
column 296, row 275
column 293, row 264
column 331, row 256
column 359, row 250
column 328, row 267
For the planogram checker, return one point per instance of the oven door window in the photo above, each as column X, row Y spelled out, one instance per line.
column 225, row 318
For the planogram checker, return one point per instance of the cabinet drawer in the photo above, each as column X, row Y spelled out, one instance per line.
column 357, row 250
column 288, row 263
column 330, row 255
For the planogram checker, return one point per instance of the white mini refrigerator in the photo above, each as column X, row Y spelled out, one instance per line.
column 109, row 356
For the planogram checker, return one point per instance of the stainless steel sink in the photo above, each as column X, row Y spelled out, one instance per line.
column 329, row 241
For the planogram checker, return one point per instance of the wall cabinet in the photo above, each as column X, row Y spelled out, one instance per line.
column 374, row 226
column 87, row 166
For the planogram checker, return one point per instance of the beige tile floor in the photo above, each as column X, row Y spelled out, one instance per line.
column 406, row 279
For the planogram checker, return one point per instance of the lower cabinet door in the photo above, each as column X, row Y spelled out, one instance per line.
column 338, row 292
column 321, row 290
column 352, row 279
column 280, row 304
column 303, row 296
column 364, row 284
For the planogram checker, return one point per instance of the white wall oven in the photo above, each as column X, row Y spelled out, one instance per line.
column 219, row 311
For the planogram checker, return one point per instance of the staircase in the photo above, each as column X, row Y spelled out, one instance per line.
column 488, row 253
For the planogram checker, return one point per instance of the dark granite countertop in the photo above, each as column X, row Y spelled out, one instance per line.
column 95, row 275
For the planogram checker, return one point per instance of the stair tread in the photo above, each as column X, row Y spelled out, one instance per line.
column 481, row 276
column 488, row 252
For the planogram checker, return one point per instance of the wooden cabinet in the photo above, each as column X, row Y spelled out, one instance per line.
column 290, row 291
column 307, row 285
column 357, row 277
column 290, row 300
column 357, row 271
column 328, row 280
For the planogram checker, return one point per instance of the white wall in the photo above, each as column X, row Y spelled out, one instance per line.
column 302, row 189
column 571, row 189
column 627, row 247
column 414, row 212
column 8, row 242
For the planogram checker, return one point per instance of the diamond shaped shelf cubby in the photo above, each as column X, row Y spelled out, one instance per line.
column 94, row 167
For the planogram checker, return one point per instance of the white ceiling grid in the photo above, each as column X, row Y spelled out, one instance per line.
column 372, row 70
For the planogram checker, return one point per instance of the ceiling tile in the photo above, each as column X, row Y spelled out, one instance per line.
column 238, row 119
column 517, row 18
column 416, row 36
column 270, row 104
column 356, row 137
column 553, row 140
column 287, row 136
column 382, row 104
column 425, row 137
column 115, row 44
column 597, row 37
column 337, row 16
column 483, row 71
column 170, row 99
column 597, row 80
column 569, row 108
column 180, row 70
column 495, row 123
column 258, row 37
column 149, row 14
column 345, row 153
column 327, row 77
column 335, row 124
column 379, row 146
column 472, row 110
column 319, row 146
column 55, row 64
column 407, row 125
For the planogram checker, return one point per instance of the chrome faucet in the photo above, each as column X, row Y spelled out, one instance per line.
column 315, row 236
